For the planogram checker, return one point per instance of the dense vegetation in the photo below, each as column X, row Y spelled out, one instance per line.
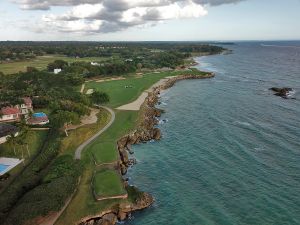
column 21, row 50
column 58, row 93
column 51, row 194
column 30, row 177
column 120, row 58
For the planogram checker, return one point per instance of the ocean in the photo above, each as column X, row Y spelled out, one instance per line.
column 230, row 152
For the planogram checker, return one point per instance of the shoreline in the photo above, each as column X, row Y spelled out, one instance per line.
column 144, row 132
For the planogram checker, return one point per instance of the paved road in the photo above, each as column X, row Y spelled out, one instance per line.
column 83, row 145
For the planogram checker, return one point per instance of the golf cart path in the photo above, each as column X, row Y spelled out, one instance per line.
column 87, row 142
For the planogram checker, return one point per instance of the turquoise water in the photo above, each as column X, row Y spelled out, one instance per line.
column 3, row 167
column 230, row 152
column 39, row 114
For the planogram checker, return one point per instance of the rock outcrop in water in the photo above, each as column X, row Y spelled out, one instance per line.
column 282, row 92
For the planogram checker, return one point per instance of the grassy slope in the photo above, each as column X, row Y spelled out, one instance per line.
column 78, row 136
column 83, row 203
column 35, row 141
column 41, row 62
column 104, row 152
column 107, row 183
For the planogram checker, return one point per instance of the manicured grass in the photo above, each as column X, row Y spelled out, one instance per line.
column 104, row 149
column 41, row 63
column 107, row 183
column 119, row 95
column 104, row 152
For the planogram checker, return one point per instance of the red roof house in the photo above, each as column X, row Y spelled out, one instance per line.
column 9, row 114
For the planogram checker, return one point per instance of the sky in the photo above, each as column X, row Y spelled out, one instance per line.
column 149, row 20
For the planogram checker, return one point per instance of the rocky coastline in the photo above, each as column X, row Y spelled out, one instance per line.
column 146, row 131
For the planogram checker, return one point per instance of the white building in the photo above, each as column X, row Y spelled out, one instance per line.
column 56, row 71
column 14, row 113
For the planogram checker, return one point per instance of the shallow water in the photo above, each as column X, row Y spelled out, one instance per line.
column 230, row 152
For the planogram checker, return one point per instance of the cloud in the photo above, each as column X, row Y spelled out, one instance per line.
column 46, row 4
column 120, row 5
column 216, row 2
column 100, row 16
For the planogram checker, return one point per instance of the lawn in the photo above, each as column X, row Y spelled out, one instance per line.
column 108, row 183
column 104, row 152
column 104, row 149
column 119, row 95
column 35, row 140
column 41, row 63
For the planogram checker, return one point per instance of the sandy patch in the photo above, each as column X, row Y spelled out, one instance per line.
column 82, row 88
column 110, row 79
column 136, row 105
column 90, row 91
column 87, row 119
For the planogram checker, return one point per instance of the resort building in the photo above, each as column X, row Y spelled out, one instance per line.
column 14, row 113
column 10, row 114
column 26, row 107
column 6, row 130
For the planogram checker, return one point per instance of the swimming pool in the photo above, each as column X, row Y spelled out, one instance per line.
column 39, row 114
column 3, row 167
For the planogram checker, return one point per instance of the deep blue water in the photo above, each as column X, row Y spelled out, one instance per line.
column 230, row 152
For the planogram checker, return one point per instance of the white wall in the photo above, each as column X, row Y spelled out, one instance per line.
column 6, row 117
column 3, row 139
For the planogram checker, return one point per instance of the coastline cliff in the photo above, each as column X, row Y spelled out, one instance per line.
column 145, row 131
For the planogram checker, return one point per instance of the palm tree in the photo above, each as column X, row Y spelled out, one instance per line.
column 24, row 137
column 12, row 141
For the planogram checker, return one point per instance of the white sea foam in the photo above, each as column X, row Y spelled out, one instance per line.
column 259, row 149
column 280, row 46
column 291, row 94
column 162, row 121
column 237, row 122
